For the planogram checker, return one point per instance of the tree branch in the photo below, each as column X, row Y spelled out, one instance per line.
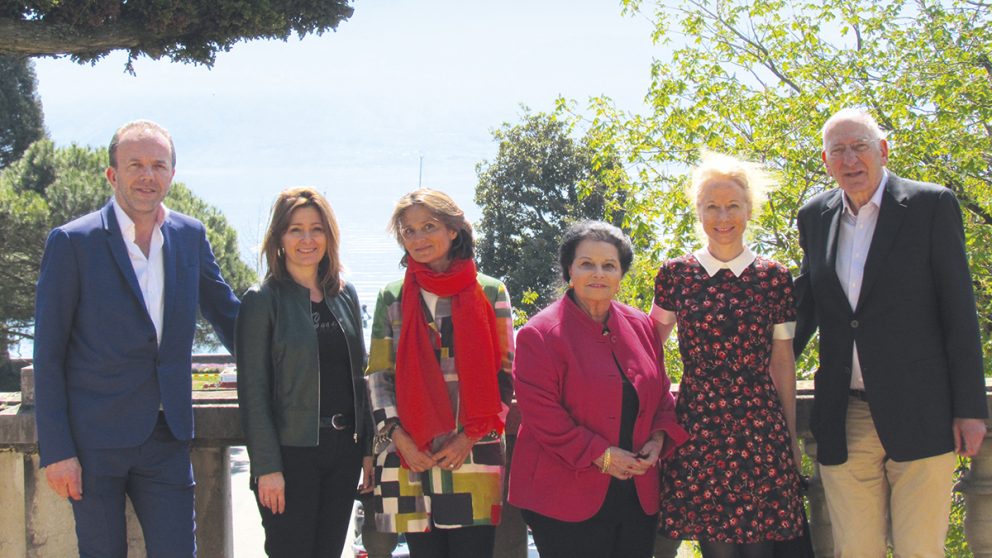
column 759, row 50
column 34, row 38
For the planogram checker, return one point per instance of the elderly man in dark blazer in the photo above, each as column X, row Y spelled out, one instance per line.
column 115, row 313
column 900, row 386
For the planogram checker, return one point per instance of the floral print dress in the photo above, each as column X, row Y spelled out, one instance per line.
column 734, row 480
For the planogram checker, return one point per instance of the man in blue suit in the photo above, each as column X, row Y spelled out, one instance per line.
column 115, row 314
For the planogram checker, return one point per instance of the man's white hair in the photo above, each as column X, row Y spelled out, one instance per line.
column 859, row 115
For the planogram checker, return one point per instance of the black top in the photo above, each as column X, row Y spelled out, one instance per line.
column 629, row 406
column 622, row 492
column 335, row 368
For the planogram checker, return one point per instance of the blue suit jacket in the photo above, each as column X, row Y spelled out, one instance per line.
column 100, row 375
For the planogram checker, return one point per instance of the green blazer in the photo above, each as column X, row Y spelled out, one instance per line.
column 279, row 374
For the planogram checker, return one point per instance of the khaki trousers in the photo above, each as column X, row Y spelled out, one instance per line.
column 869, row 494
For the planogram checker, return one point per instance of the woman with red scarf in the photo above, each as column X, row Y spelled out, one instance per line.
column 439, row 377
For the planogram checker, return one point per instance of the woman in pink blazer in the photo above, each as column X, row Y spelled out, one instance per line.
column 597, row 414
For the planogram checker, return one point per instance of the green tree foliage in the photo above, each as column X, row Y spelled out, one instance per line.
column 180, row 30
column 758, row 79
column 23, row 221
column 50, row 186
column 21, row 120
column 541, row 181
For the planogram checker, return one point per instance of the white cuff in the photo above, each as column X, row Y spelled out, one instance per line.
column 785, row 330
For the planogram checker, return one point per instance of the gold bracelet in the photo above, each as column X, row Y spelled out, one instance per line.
column 606, row 461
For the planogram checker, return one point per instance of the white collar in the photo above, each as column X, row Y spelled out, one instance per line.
column 876, row 198
column 713, row 265
column 126, row 224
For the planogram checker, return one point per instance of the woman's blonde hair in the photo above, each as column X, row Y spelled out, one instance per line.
column 287, row 202
column 751, row 177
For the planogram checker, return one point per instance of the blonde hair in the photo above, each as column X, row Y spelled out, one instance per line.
column 287, row 202
column 751, row 177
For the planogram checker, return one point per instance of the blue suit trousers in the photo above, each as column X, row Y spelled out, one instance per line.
column 158, row 477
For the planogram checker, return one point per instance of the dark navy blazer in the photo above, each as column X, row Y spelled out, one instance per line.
column 100, row 376
column 915, row 323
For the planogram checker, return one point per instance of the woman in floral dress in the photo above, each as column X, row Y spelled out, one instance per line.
column 734, row 486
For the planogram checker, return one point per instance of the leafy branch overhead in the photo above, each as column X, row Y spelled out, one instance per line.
column 180, row 30
column 758, row 79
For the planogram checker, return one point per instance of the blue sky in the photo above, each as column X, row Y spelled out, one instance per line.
column 351, row 112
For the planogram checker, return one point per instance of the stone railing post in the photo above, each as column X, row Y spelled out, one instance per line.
column 214, row 520
column 12, row 517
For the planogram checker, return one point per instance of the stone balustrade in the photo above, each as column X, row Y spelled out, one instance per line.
column 36, row 523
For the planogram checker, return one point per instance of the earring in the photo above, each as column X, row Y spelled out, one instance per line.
column 281, row 252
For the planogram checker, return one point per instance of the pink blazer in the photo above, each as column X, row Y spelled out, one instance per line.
column 569, row 391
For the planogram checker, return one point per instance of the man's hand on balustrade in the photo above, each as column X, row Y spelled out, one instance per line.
column 66, row 478
column 968, row 436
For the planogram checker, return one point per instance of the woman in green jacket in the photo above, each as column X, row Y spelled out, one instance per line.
column 304, row 403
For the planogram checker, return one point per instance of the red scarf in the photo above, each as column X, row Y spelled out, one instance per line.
column 421, row 394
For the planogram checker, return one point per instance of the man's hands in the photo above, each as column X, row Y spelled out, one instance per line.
column 66, row 478
column 968, row 436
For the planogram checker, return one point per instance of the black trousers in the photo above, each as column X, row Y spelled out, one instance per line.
column 464, row 542
column 320, row 493
column 620, row 529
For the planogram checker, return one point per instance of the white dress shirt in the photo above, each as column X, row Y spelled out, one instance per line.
column 853, row 240
column 149, row 270
column 712, row 265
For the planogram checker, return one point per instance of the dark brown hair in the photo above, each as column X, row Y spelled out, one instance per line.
column 593, row 230
column 288, row 201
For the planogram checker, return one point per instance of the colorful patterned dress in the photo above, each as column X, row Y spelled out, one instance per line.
column 734, row 480
column 472, row 495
